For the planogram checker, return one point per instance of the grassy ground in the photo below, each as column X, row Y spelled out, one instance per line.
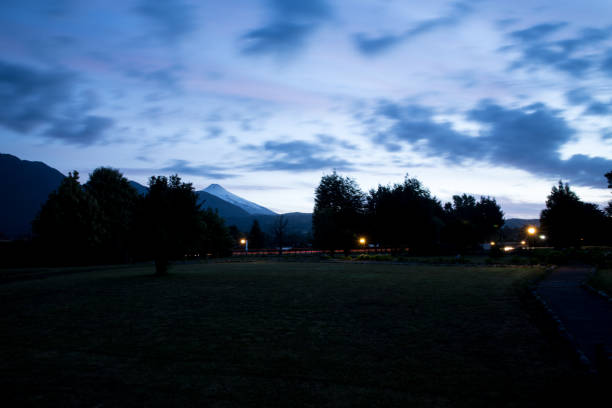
column 277, row 334
column 602, row 280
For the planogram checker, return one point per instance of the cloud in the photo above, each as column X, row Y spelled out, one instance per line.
column 527, row 138
column 572, row 55
column 578, row 96
column 81, row 131
column 173, row 19
column 33, row 99
column 298, row 156
column 184, row 167
column 213, row 132
column 606, row 65
column 288, row 29
column 537, row 32
column 369, row 45
column 276, row 38
column 599, row 108
column 333, row 141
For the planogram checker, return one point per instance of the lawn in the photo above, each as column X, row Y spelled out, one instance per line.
column 278, row 334
column 602, row 280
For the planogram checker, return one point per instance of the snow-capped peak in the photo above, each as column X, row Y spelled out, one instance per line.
column 246, row 205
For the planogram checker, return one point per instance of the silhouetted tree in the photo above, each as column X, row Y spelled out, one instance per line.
column 171, row 220
column 470, row 222
column 256, row 236
column 116, row 199
column 68, row 224
column 235, row 234
column 405, row 215
column 215, row 239
column 567, row 221
column 338, row 212
column 280, row 232
column 609, row 207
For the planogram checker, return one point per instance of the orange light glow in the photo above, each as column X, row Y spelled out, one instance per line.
column 531, row 230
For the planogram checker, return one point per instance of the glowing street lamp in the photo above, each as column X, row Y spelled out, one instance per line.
column 245, row 242
column 362, row 242
column 531, row 230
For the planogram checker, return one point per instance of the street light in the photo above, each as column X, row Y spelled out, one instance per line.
column 362, row 242
column 531, row 230
column 245, row 242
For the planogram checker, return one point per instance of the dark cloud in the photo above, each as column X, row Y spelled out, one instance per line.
column 287, row 31
column 184, row 167
column 599, row 108
column 606, row 65
column 374, row 45
column 81, row 131
column 213, row 132
column 415, row 124
column 298, row 156
column 573, row 55
column 527, row 138
column 173, row 19
column 279, row 38
column 578, row 96
column 537, row 32
column 33, row 99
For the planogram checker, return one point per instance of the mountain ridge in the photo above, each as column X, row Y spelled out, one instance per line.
column 248, row 206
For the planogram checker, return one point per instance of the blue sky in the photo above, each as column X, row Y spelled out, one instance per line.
column 265, row 97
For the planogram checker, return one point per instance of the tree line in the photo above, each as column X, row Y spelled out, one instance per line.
column 406, row 215
column 107, row 221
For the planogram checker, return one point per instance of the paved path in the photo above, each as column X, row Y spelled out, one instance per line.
column 586, row 316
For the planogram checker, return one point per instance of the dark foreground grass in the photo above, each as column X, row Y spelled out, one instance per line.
column 602, row 280
column 278, row 334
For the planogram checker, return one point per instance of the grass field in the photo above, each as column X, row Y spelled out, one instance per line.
column 278, row 334
column 602, row 280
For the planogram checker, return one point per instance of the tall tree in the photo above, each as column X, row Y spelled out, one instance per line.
column 338, row 213
column 171, row 220
column 470, row 222
column 609, row 207
column 256, row 236
column 405, row 215
column 215, row 238
column 68, row 224
column 567, row 221
column 116, row 199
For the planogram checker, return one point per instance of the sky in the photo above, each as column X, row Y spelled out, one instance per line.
column 265, row 97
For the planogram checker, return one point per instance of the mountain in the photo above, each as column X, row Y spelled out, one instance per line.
column 226, row 210
column 24, row 187
column 140, row 189
column 521, row 223
column 246, row 205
